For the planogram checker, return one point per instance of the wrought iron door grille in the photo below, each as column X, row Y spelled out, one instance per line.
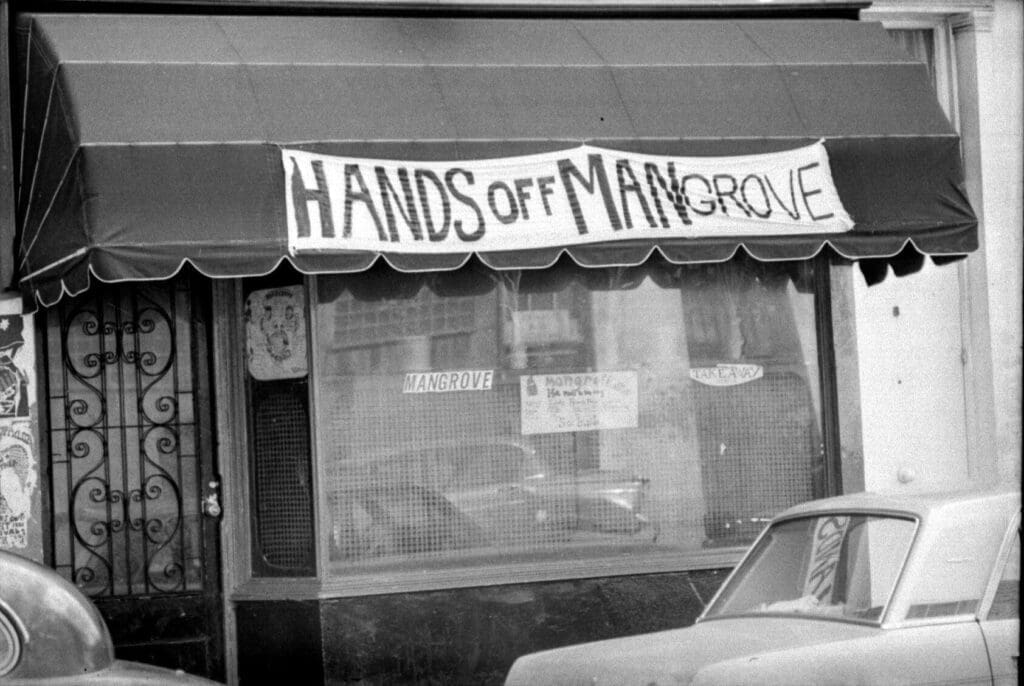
column 124, row 450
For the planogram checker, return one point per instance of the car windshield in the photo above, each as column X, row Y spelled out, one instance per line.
column 835, row 566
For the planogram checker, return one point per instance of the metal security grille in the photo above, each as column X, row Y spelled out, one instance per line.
column 760, row 453
column 124, row 458
column 652, row 410
column 281, row 471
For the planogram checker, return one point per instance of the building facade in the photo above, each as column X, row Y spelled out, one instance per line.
column 384, row 342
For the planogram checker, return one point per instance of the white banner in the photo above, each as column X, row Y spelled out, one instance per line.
column 572, row 197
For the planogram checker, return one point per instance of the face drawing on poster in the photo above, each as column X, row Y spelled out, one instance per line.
column 13, row 379
column 276, row 333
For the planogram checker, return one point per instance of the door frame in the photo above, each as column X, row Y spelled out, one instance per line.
column 207, row 600
column 232, row 448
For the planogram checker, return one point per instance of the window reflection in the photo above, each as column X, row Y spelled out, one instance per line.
column 482, row 412
column 835, row 566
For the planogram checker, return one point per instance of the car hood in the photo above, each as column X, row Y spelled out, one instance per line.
column 676, row 656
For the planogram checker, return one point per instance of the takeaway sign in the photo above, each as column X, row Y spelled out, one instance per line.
column 578, row 196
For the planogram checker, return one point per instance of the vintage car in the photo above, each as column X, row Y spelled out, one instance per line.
column 52, row 634
column 475, row 494
column 857, row 589
column 506, row 486
column 401, row 519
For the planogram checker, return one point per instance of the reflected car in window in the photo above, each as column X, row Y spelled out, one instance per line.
column 859, row 589
column 50, row 633
column 471, row 495
column 509, row 486
column 403, row 519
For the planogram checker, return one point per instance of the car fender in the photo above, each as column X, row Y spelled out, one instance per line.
column 62, row 633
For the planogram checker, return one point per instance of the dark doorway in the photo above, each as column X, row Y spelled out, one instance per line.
column 134, row 486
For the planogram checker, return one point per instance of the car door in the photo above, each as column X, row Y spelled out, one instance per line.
column 1001, row 623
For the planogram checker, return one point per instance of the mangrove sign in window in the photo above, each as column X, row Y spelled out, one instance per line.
column 583, row 195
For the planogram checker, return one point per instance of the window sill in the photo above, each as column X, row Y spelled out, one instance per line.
column 434, row 577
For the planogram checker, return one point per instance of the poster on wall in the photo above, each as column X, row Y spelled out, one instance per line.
column 18, row 468
column 14, row 397
column 17, row 482
column 275, row 328
column 554, row 403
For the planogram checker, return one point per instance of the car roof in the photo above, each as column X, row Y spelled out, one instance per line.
column 924, row 505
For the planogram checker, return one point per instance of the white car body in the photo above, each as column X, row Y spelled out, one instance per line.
column 923, row 631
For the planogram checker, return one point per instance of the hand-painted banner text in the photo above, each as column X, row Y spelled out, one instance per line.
column 583, row 195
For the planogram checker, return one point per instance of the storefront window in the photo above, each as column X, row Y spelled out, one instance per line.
column 480, row 417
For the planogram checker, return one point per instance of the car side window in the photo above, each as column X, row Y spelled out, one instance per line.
column 1006, row 604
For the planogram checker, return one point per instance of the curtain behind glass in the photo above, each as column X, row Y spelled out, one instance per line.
column 919, row 43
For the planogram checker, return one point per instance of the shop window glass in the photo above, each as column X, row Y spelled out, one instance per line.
column 477, row 416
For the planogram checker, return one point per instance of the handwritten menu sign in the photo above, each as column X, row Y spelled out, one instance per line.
column 555, row 403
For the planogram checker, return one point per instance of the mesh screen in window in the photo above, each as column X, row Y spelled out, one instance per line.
column 279, row 428
column 477, row 414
